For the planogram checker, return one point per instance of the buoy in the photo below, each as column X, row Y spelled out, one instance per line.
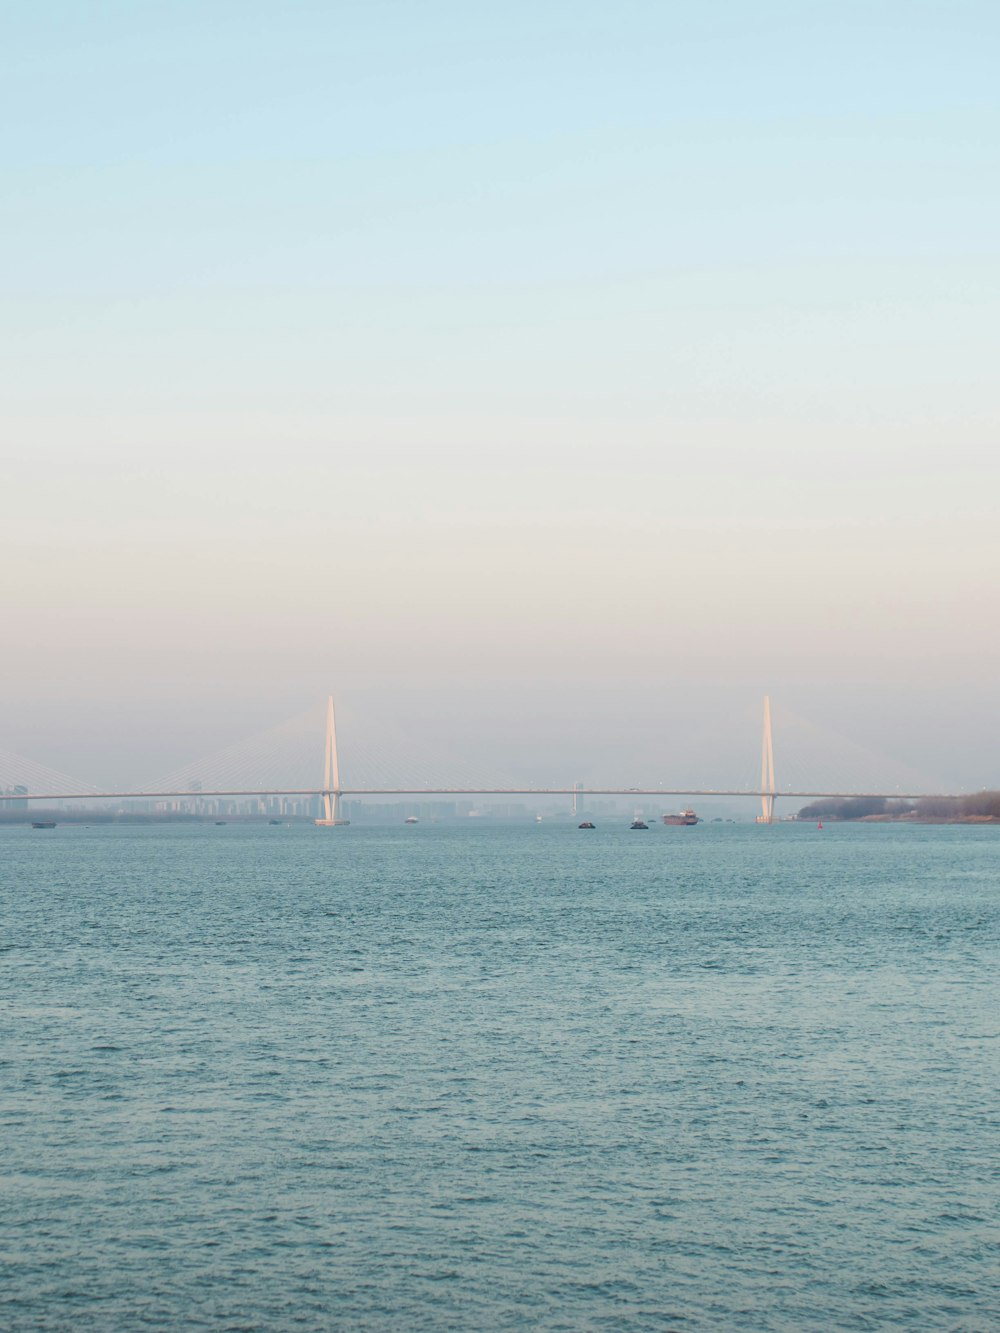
column 820, row 824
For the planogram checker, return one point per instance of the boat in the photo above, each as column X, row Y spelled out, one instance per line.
column 274, row 821
column 586, row 824
column 411, row 819
column 219, row 823
column 685, row 819
column 43, row 823
column 638, row 823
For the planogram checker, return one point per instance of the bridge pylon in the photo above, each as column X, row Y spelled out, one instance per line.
column 331, row 774
column 767, row 784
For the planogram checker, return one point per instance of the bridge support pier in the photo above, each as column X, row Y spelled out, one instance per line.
column 331, row 775
column 767, row 784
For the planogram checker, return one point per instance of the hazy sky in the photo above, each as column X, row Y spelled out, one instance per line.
column 578, row 367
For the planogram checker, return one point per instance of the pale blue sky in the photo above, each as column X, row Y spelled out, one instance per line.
column 412, row 344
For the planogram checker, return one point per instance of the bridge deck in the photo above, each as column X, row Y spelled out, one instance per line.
column 479, row 791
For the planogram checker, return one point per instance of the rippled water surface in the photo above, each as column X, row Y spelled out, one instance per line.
column 499, row 1077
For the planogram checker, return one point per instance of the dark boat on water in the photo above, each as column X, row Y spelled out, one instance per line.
column 685, row 819
column 638, row 823
column 43, row 823
column 586, row 824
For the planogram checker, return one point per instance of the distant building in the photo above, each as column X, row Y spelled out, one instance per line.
column 19, row 790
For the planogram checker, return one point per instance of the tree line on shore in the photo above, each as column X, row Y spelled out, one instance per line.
column 981, row 805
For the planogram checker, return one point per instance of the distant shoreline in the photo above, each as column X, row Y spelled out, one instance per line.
column 898, row 819
column 975, row 808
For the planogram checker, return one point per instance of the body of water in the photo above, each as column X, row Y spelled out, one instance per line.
column 730, row 1077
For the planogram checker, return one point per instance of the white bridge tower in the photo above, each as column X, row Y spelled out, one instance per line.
column 767, row 784
column 331, row 774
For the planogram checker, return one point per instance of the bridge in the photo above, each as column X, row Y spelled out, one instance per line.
column 331, row 790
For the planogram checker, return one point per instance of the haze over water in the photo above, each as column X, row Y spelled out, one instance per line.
column 499, row 1077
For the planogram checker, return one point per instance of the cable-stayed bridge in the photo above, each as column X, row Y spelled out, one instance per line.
column 399, row 766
